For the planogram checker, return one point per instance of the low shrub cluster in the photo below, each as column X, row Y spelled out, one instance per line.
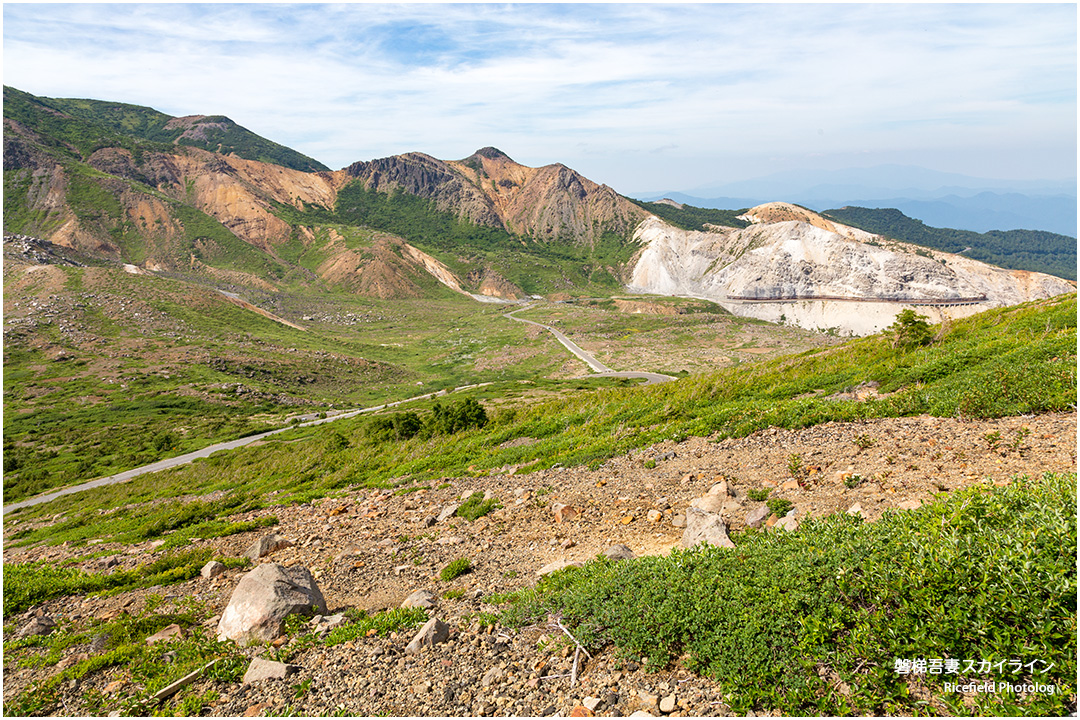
column 27, row 584
column 476, row 507
column 785, row 620
column 465, row 414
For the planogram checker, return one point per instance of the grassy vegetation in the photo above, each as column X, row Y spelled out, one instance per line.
column 689, row 217
column 1003, row 362
column 455, row 569
column 150, row 668
column 466, row 247
column 476, row 507
column 786, row 620
column 124, row 370
column 27, row 584
column 86, row 123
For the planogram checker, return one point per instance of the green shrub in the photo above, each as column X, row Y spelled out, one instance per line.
column 758, row 494
column 981, row 574
column 779, row 506
column 909, row 329
column 455, row 569
column 464, row 414
column 383, row 623
column 476, row 507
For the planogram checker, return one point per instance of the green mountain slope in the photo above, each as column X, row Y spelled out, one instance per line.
column 109, row 119
column 689, row 217
column 1034, row 250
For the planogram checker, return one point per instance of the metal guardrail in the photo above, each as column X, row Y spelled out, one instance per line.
column 906, row 301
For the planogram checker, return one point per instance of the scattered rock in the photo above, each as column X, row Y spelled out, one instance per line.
column 654, row 516
column 168, row 633
column 263, row 669
column 38, row 625
column 212, row 569
column 325, row 623
column 581, row 711
column 708, row 503
column 678, row 520
column 266, row 545
column 435, row 631
column 704, row 527
column 719, row 488
column 447, row 512
column 910, row 504
column 757, row 516
column 421, row 599
column 564, row 513
column 788, row 523
column 591, row 703
column 491, row 676
column 855, row 509
column 667, row 703
column 558, row 565
column 264, row 598
column 790, row 485
column 619, row 552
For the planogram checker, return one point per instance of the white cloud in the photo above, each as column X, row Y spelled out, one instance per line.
column 594, row 87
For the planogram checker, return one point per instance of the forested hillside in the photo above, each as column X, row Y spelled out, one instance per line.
column 1017, row 249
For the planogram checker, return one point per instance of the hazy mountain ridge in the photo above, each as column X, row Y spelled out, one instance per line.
column 944, row 199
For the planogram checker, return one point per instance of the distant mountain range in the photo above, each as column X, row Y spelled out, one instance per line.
column 204, row 199
column 940, row 199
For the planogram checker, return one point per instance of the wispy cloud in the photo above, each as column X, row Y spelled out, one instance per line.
column 638, row 96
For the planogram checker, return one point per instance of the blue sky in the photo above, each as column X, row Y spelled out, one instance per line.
column 639, row 96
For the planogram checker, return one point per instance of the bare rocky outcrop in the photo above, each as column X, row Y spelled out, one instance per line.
column 793, row 266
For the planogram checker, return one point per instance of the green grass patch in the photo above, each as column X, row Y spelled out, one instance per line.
column 28, row 584
column 455, row 569
column 476, row 507
column 978, row 575
column 382, row 623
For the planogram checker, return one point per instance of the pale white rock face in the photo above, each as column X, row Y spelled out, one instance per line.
column 820, row 278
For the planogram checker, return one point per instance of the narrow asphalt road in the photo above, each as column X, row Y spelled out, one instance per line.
column 600, row 370
column 210, row 450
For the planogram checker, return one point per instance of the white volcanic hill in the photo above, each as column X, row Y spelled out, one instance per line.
column 792, row 265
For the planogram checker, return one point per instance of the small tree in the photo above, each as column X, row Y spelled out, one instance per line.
column 910, row 329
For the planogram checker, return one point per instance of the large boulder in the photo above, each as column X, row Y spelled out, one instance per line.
column 705, row 527
column 264, row 598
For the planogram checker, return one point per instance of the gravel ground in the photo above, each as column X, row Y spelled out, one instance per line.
column 368, row 549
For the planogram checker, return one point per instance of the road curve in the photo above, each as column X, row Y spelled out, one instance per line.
column 599, row 368
column 210, row 450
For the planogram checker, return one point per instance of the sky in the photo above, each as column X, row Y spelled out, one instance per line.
column 642, row 97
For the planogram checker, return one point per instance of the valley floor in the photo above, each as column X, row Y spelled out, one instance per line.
column 370, row 548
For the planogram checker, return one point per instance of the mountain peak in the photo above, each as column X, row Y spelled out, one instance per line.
column 492, row 153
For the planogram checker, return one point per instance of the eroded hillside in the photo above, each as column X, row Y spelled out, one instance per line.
column 794, row 266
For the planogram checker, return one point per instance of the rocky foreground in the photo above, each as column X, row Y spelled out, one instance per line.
column 373, row 549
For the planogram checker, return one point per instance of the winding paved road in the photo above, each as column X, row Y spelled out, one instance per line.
column 210, row 450
column 600, row 369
